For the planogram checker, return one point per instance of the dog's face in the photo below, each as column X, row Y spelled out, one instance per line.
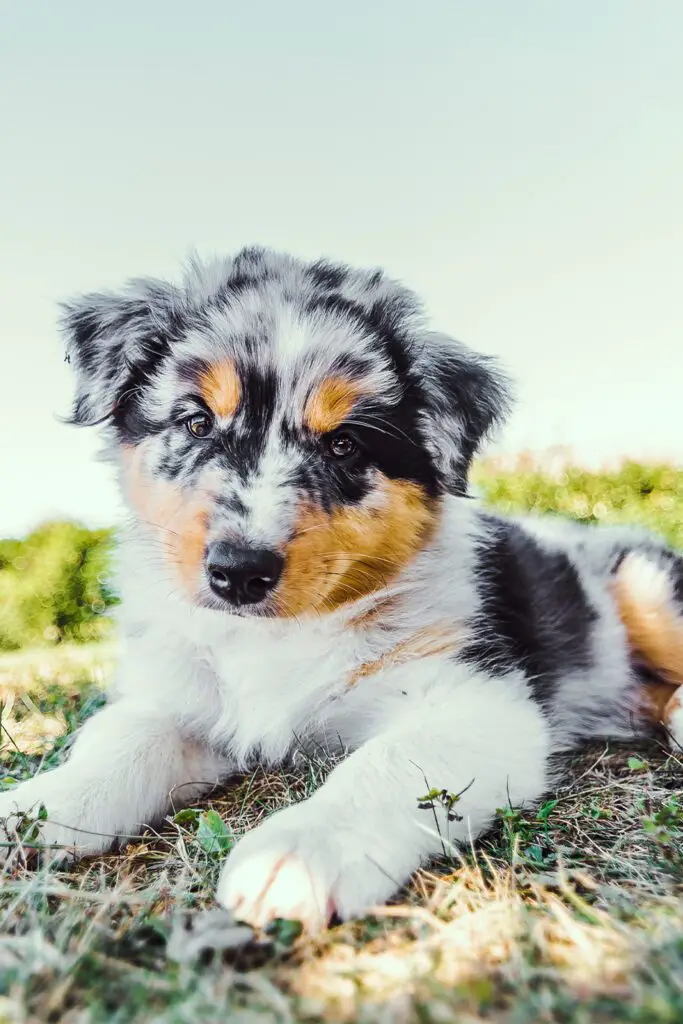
column 286, row 430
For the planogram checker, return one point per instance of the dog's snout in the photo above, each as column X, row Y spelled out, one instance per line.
column 242, row 575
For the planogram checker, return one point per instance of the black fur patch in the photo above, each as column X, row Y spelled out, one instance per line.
column 677, row 576
column 391, row 441
column 128, row 414
column 241, row 445
column 327, row 275
column 98, row 326
column 469, row 389
column 535, row 616
column 391, row 435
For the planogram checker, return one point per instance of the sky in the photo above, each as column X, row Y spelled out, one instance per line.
column 518, row 164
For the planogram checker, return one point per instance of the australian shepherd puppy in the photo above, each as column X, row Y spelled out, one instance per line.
column 303, row 565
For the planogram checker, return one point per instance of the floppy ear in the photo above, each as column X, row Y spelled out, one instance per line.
column 466, row 396
column 113, row 342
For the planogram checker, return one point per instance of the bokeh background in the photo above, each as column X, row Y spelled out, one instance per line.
column 518, row 164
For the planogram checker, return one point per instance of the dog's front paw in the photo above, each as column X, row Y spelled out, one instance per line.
column 298, row 867
column 44, row 815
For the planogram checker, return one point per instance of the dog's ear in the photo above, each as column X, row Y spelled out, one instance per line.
column 114, row 341
column 466, row 397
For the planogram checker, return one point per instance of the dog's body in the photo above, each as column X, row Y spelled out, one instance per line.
column 303, row 567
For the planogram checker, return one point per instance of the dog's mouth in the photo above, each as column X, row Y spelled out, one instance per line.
column 266, row 609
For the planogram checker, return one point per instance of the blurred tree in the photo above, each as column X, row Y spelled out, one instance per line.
column 642, row 495
column 54, row 586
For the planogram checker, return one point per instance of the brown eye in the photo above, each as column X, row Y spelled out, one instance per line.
column 199, row 425
column 341, row 446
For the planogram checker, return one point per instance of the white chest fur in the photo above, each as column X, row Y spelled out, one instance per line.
column 256, row 686
column 279, row 685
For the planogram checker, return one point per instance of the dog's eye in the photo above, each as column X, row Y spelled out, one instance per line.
column 342, row 446
column 199, row 425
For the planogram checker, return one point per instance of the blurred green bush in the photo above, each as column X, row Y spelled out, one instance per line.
column 55, row 584
column 644, row 495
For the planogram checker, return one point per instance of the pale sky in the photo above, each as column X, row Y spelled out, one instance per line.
column 519, row 163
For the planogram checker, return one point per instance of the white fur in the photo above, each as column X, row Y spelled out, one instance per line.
column 121, row 774
column 675, row 724
column 647, row 581
column 360, row 836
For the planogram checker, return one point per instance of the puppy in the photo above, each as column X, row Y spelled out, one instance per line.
column 303, row 566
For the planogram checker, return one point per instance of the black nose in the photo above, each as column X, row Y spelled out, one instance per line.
column 242, row 575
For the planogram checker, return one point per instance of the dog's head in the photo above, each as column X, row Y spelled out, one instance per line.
column 286, row 429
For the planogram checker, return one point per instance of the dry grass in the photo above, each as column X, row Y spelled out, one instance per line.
column 572, row 914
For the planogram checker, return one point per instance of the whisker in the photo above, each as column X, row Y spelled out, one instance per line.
column 133, row 520
column 159, row 526
column 370, row 422
column 365, row 557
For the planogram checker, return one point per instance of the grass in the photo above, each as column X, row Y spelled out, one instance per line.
column 572, row 913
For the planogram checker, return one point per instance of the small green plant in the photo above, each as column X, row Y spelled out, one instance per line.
column 284, row 933
column 210, row 831
column 665, row 827
column 597, row 812
column 25, row 827
column 443, row 799
column 528, row 837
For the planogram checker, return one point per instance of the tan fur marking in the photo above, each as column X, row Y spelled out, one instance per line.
column 654, row 630
column 219, row 386
column 374, row 615
column 179, row 520
column 655, row 635
column 328, row 407
column 186, row 550
column 658, row 699
column 421, row 645
column 337, row 558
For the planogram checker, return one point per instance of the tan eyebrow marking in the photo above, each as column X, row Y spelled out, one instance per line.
column 330, row 404
column 220, row 388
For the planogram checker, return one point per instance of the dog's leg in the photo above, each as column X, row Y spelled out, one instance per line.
column 359, row 838
column 123, row 773
column 649, row 604
column 672, row 719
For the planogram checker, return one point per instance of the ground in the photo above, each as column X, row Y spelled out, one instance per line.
column 572, row 914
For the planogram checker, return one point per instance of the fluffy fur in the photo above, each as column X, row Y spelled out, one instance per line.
column 303, row 417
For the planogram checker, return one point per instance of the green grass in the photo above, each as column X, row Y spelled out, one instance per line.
column 573, row 913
